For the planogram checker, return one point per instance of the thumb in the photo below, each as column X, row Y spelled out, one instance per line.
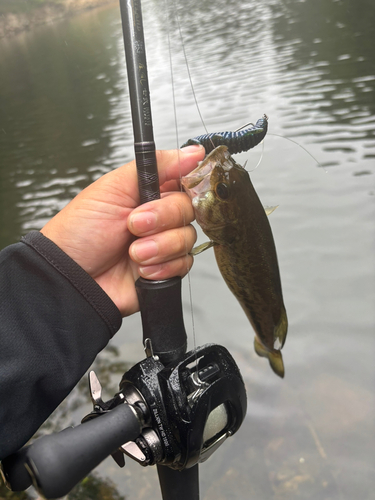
column 175, row 163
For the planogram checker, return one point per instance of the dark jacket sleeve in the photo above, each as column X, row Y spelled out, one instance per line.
column 54, row 320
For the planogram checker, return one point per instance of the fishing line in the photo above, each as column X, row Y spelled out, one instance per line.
column 179, row 162
column 300, row 145
column 288, row 139
column 260, row 159
column 187, row 67
column 188, row 71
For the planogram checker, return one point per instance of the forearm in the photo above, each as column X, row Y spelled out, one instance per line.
column 54, row 319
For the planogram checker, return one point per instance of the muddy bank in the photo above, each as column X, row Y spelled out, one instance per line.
column 12, row 23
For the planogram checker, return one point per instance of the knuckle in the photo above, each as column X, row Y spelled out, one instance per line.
column 183, row 210
column 179, row 213
column 187, row 238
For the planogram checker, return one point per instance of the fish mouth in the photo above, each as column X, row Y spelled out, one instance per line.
column 197, row 183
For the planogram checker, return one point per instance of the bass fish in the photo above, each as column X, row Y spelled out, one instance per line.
column 230, row 213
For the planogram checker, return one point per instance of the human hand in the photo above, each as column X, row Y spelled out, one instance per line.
column 98, row 228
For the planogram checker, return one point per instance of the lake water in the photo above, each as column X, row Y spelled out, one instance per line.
column 65, row 120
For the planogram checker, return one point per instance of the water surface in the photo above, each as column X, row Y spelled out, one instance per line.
column 65, row 120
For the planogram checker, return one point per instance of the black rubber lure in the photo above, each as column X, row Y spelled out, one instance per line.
column 236, row 142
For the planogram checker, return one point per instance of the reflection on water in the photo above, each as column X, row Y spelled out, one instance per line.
column 309, row 65
column 60, row 96
column 65, row 120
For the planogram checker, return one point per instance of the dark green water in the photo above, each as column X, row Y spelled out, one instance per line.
column 58, row 86
column 310, row 66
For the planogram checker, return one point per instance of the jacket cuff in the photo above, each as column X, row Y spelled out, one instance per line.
column 78, row 278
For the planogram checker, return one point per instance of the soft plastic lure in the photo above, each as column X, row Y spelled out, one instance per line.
column 236, row 142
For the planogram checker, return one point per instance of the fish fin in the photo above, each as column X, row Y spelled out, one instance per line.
column 276, row 362
column 269, row 210
column 260, row 349
column 201, row 248
column 281, row 330
column 274, row 357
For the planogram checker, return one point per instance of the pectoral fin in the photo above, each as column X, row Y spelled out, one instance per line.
column 274, row 357
column 269, row 210
column 201, row 248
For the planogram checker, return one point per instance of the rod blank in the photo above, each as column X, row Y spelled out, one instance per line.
column 144, row 145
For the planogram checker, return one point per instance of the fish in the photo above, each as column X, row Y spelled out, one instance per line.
column 230, row 213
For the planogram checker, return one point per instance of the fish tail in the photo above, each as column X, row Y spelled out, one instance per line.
column 281, row 330
column 274, row 357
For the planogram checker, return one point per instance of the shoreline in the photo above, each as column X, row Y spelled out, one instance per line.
column 13, row 23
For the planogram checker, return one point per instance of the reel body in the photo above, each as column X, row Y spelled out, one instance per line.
column 192, row 406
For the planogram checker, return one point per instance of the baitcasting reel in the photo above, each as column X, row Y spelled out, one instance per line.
column 188, row 410
column 174, row 415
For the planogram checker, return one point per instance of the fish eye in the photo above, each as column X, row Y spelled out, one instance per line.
column 222, row 190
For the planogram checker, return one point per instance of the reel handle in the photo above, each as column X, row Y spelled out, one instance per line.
column 56, row 463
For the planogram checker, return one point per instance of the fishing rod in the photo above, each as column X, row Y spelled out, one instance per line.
column 160, row 302
column 173, row 409
column 168, row 336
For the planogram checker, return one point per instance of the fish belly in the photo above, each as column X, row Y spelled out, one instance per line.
column 251, row 273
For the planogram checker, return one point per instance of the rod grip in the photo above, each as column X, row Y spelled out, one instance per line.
column 162, row 317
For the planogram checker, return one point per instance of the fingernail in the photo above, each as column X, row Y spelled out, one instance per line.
column 192, row 149
column 145, row 250
column 143, row 222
